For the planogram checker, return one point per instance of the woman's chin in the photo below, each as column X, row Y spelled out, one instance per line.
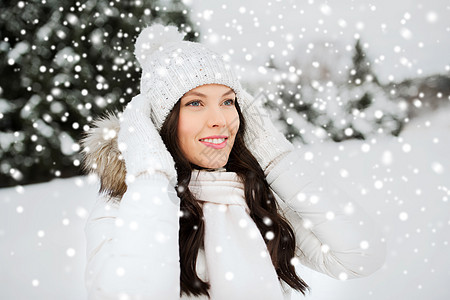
column 214, row 165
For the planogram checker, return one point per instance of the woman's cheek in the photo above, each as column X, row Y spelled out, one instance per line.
column 236, row 128
column 234, row 122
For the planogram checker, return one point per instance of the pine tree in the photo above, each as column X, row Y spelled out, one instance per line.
column 372, row 109
column 320, row 105
column 362, row 70
column 63, row 62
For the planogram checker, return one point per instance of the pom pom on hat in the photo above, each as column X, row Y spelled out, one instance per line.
column 153, row 39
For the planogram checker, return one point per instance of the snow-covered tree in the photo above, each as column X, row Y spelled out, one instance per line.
column 337, row 97
column 61, row 63
column 361, row 70
column 372, row 109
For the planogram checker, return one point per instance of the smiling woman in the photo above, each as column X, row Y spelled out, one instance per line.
column 207, row 130
column 203, row 198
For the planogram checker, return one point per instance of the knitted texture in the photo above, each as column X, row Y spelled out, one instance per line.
column 262, row 138
column 141, row 145
column 171, row 67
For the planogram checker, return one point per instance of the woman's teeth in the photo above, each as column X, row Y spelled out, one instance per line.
column 214, row 141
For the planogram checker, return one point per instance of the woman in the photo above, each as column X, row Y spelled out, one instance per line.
column 215, row 203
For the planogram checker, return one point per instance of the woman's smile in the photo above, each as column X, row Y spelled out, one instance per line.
column 216, row 142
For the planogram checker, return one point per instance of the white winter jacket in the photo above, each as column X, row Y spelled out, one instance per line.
column 132, row 246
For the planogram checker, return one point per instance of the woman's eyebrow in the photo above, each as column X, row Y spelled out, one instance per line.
column 195, row 94
column 203, row 95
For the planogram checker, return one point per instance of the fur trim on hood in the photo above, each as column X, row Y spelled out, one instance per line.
column 101, row 156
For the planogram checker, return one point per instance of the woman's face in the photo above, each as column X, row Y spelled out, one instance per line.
column 208, row 124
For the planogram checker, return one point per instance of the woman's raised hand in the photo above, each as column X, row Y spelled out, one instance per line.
column 262, row 138
column 141, row 145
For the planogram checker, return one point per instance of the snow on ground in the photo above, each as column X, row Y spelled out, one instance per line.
column 403, row 183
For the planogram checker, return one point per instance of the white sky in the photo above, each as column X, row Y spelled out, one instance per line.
column 407, row 37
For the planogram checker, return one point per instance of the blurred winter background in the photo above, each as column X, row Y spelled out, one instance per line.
column 362, row 86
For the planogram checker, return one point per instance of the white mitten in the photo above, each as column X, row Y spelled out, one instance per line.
column 262, row 138
column 141, row 145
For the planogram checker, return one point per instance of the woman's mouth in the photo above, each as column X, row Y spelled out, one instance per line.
column 216, row 143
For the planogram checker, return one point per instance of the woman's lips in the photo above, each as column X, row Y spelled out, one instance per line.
column 215, row 146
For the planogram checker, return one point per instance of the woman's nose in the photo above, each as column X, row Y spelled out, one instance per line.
column 216, row 118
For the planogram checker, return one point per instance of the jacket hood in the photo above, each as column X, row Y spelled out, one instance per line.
column 101, row 156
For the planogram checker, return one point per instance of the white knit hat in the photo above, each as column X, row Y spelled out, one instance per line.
column 171, row 67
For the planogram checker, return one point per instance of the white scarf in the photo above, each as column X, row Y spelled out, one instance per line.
column 237, row 260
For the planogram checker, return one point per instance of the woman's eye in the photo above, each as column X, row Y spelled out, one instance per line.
column 194, row 103
column 229, row 101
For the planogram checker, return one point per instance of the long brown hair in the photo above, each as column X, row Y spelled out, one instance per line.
column 259, row 198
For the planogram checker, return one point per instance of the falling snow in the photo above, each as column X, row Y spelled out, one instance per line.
column 288, row 50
